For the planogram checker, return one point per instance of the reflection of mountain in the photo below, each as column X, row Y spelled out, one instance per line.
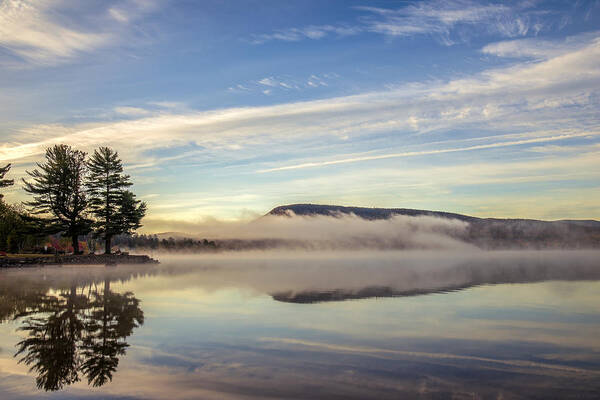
column 71, row 331
column 416, row 283
column 320, row 296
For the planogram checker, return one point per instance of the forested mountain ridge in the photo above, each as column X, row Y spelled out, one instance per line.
column 483, row 232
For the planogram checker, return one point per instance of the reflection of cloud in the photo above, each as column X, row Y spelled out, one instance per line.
column 418, row 354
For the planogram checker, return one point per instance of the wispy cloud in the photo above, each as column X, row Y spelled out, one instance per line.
column 40, row 32
column 435, row 17
column 29, row 31
column 550, row 100
column 539, row 49
column 544, row 139
column 127, row 11
column 561, row 90
column 308, row 32
column 440, row 17
column 131, row 111
column 268, row 84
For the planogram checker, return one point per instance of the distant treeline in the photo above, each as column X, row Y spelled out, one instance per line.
column 72, row 195
column 153, row 242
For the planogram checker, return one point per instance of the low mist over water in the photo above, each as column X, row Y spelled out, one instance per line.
column 344, row 231
column 323, row 227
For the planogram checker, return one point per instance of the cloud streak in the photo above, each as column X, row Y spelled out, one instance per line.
column 41, row 33
column 430, row 152
column 28, row 31
column 309, row 32
column 533, row 97
column 436, row 18
column 550, row 97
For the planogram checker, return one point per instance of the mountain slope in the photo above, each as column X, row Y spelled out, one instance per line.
column 483, row 232
column 363, row 212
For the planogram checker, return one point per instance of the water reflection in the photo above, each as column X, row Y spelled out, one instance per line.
column 213, row 328
column 73, row 332
column 419, row 280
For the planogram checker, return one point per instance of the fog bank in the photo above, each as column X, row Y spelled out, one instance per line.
column 319, row 232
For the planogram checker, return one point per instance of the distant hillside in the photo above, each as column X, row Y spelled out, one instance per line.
column 483, row 232
column 363, row 212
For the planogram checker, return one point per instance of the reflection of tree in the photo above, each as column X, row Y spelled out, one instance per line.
column 73, row 332
column 113, row 318
column 51, row 348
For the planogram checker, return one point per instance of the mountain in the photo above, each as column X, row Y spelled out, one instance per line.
column 363, row 212
column 490, row 233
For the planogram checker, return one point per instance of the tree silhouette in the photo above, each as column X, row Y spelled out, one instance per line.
column 131, row 213
column 115, row 208
column 5, row 182
column 105, row 185
column 58, row 192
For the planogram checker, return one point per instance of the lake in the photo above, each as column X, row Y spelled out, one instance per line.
column 351, row 325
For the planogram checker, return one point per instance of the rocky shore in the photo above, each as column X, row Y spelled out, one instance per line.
column 87, row 259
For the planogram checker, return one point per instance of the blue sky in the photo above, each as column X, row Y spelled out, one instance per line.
column 225, row 109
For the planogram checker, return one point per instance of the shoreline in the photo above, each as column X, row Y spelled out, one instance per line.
column 87, row 259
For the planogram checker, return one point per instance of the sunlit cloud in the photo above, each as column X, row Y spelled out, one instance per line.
column 505, row 96
column 41, row 33
column 548, row 99
column 28, row 30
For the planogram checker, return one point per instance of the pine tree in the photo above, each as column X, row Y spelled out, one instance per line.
column 115, row 209
column 58, row 192
column 131, row 213
column 5, row 182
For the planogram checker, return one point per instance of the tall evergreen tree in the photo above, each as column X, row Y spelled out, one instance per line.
column 131, row 212
column 58, row 192
column 115, row 208
column 5, row 182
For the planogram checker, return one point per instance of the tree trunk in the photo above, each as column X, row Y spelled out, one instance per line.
column 107, row 244
column 75, row 244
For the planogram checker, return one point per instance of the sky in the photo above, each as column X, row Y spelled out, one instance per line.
column 226, row 109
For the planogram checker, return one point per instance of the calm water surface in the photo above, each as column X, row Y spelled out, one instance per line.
column 498, row 325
